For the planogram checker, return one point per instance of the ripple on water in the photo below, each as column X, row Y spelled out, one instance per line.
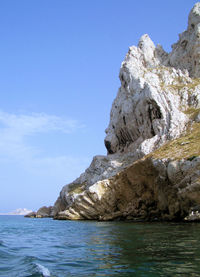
column 97, row 249
column 1, row 243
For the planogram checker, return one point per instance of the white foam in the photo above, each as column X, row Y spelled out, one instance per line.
column 45, row 272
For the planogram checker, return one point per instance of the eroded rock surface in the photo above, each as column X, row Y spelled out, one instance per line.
column 158, row 101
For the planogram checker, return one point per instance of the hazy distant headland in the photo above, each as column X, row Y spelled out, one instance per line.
column 20, row 211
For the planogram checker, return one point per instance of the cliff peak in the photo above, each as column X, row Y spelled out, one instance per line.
column 185, row 53
column 194, row 16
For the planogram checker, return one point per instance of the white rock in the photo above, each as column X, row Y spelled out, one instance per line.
column 186, row 52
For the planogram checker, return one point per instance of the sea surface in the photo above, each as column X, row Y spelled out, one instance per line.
column 45, row 247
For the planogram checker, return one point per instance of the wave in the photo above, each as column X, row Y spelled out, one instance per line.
column 43, row 270
column 2, row 243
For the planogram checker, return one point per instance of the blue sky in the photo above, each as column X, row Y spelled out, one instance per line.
column 59, row 66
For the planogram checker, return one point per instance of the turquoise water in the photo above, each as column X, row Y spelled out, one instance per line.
column 44, row 247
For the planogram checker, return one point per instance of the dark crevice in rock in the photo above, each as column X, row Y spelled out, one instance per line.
column 124, row 119
column 108, row 147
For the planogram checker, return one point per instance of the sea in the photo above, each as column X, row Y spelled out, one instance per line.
column 47, row 247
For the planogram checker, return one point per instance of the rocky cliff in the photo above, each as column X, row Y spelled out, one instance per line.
column 152, row 169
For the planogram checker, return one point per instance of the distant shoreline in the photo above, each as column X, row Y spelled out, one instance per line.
column 11, row 214
column 19, row 211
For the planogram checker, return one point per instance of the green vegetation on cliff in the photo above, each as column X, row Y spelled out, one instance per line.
column 184, row 147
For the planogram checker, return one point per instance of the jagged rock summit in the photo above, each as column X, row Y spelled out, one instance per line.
column 152, row 170
column 186, row 52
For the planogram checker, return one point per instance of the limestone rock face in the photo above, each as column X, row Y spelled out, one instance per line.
column 142, row 191
column 186, row 52
column 44, row 212
column 147, row 111
column 158, row 102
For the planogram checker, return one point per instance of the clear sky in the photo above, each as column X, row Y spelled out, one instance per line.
column 59, row 66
